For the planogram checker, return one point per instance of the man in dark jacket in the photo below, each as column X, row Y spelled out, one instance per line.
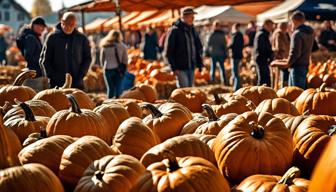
column 301, row 45
column 327, row 37
column 66, row 51
column 236, row 46
column 262, row 53
column 216, row 49
column 183, row 48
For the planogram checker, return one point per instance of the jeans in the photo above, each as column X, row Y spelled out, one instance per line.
column 264, row 75
column 235, row 73
column 185, row 78
column 113, row 81
column 297, row 77
column 284, row 77
column 214, row 61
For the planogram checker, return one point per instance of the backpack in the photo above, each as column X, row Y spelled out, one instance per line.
column 21, row 38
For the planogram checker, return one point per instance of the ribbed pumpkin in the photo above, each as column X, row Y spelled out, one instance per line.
column 25, row 124
column 181, row 146
column 310, row 139
column 192, row 98
column 131, row 105
column 168, row 120
column 10, row 146
column 111, row 173
column 257, row 93
column 17, row 90
column 253, row 144
column 291, row 122
column 32, row 138
column 290, row 93
column 77, row 122
column 324, row 177
column 46, row 151
column 141, row 92
column 277, row 105
column 134, row 138
column 30, row 177
column 233, row 104
column 181, row 175
column 289, row 182
column 79, row 155
column 193, row 124
column 208, row 139
column 317, row 101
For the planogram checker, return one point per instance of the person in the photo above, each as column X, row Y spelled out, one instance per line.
column 3, row 48
column 216, row 49
column 66, row 50
column 251, row 33
column 327, row 38
column 236, row 46
column 150, row 46
column 301, row 45
column 113, row 55
column 280, row 46
column 30, row 45
column 183, row 48
column 262, row 52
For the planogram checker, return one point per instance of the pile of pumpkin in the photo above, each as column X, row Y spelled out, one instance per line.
column 322, row 73
column 8, row 74
column 57, row 140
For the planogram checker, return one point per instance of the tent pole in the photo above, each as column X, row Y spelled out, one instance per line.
column 118, row 12
column 83, row 21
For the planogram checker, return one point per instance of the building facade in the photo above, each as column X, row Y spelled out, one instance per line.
column 13, row 14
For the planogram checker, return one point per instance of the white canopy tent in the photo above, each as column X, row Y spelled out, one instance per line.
column 226, row 14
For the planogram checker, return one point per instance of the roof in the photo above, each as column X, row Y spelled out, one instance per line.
column 256, row 8
column 114, row 21
column 19, row 7
column 165, row 18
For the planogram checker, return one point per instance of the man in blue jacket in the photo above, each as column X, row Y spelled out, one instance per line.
column 183, row 48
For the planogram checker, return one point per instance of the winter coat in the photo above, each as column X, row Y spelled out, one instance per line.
column 262, row 50
column 237, row 45
column 32, row 50
column 216, row 44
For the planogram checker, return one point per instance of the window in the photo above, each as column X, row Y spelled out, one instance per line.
column 7, row 16
column 6, row 6
column 0, row 15
column 20, row 17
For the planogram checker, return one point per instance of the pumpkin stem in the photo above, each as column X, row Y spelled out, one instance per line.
column 323, row 87
column 154, row 111
column 211, row 114
column 172, row 161
column 29, row 74
column 332, row 130
column 29, row 115
column 257, row 130
column 74, row 105
column 250, row 105
column 218, row 100
column 99, row 175
column 289, row 176
column 68, row 81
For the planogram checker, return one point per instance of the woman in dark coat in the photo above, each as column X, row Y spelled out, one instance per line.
column 150, row 47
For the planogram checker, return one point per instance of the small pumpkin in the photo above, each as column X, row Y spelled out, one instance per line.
column 141, row 92
column 292, row 122
column 277, row 105
column 193, row 124
column 131, row 105
column 257, row 93
column 111, row 173
column 190, row 97
column 233, row 104
column 208, row 139
column 32, row 138
column 291, row 93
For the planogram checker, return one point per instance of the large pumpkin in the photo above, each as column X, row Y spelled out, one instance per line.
column 257, row 93
column 134, row 138
column 30, row 177
column 233, row 104
column 192, row 125
column 253, row 144
column 317, row 101
column 324, row 175
column 290, row 93
column 289, row 182
column 77, row 122
column 181, row 146
column 17, row 90
column 310, row 139
column 190, row 97
column 181, row 175
column 111, row 173
column 141, row 92
column 168, row 120
column 25, row 124
column 131, row 105
column 79, row 155
column 46, row 151
column 277, row 105
column 291, row 122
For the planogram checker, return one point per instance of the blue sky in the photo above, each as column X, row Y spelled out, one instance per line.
column 55, row 4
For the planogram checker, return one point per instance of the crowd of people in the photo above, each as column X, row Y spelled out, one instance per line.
column 288, row 46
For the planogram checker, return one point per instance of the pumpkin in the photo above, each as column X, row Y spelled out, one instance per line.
column 141, row 92
column 131, row 105
column 277, row 105
column 310, row 139
column 16, row 90
column 193, row 124
column 79, row 155
column 182, row 174
column 289, row 182
column 314, row 81
column 181, row 146
column 324, row 177
column 77, row 122
column 316, row 101
column 167, row 120
column 32, row 138
column 29, row 177
column 233, row 104
column 291, row 122
column 290, row 93
column 190, row 97
column 257, row 93
column 25, row 124
column 134, row 138
column 253, row 144
column 208, row 139
column 46, row 151
column 10, row 146
column 214, row 124
column 111, row 173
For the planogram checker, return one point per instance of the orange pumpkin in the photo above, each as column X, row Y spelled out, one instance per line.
column 257, row 93
column 290, row 93
column 190, row 97
column 277, row 105
column 141, row 92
